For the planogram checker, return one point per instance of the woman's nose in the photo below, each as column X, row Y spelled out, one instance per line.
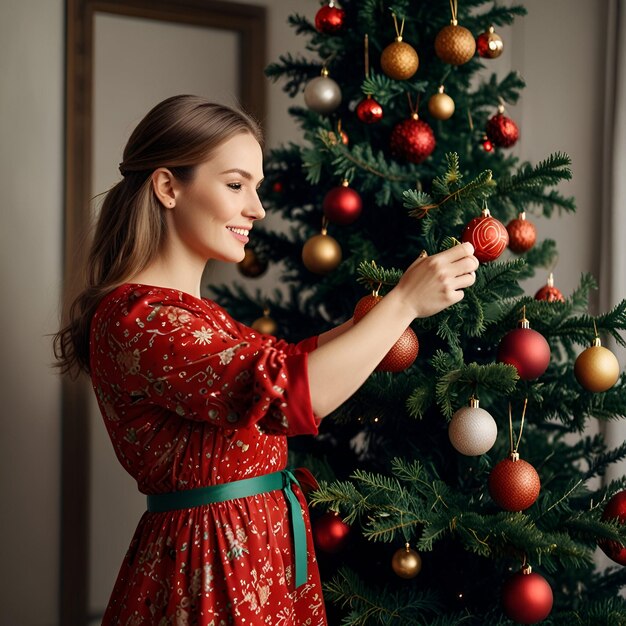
column 256, row 210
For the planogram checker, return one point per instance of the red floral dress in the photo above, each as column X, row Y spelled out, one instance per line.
column 192, row 398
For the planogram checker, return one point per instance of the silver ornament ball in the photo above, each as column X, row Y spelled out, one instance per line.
column 322, row 94
column 472, row 431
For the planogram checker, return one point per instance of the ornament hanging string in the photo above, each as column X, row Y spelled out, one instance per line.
column 326, row 62
column 400, row 30
column 454, row 8
column 325, row 223
column 366, row 53
column 417, row 103
column 521, row 428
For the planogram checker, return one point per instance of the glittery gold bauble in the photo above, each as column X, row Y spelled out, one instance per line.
column 596, row 368
column 265, row 325
column 441, row 105
column 399, row 60
column 455, row 44
column 252, row 266
column 321, row 254
column 406, row 562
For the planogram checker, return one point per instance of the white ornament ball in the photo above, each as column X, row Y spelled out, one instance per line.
column 472, row 431
column 322, row 94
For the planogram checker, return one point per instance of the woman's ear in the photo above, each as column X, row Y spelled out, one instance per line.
column 163, row 183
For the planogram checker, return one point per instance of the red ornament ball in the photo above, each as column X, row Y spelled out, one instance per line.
column 402, row 354
column 615, row 509
column 514, row 485
column 522, row 234
column 412, row 140
column 487, row 145
column 527, row 598
column 365, row 304
column 527, row 350
column 330, row 533
column 329, row 19
column 488, row 236
column 489, row 44
column 369, row 111
column 549, row 292
column 502, row 131
column 342, row 205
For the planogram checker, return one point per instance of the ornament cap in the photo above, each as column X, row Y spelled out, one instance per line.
column 474, row 403
column 415, row 116
column 550, row 281
column 345, row 182
column 399, row 38
column 491, row 29
column 527, row 569
column 324, row 71
column 500, row 109
column 514, row 456
column 522, row 215
column 485, row 212
column 454, row 22
column 523, row 323
column 440, row 89
column 597, row 343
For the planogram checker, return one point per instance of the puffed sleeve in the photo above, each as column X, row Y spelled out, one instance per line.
column 189, row 357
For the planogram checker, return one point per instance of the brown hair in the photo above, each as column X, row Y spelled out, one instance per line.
column 179, row 133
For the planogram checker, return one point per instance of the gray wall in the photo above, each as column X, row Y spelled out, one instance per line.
column 558, row 50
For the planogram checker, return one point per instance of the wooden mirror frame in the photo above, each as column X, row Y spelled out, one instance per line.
column 249, row 23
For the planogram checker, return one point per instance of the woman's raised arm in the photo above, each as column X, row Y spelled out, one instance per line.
column 348, row 354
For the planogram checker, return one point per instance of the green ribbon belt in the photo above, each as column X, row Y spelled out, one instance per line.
column 283, row 480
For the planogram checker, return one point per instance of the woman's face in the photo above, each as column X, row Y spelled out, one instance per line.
column 213, row 214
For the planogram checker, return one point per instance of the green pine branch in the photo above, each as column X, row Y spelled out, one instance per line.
column 381, row 606
column 527, row 187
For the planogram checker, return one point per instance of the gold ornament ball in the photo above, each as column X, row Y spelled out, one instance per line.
column 321, row 254
column 399, row 60
column 251, row 266
column 265, row 325
column 455, row 44
column 406, row 563
column 441, row 106
column 596, row 368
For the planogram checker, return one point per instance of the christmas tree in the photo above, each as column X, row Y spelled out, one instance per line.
column 458, row 485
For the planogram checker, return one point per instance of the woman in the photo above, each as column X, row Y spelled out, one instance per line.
column 198, row 406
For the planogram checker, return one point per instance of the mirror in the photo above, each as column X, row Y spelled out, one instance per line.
column 124, row 56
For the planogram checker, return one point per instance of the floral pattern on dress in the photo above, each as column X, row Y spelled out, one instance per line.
column 192, row 398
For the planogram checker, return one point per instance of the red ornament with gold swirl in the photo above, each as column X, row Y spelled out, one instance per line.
column 488, row 236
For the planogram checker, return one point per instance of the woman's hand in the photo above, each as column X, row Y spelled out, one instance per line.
column 433, row 283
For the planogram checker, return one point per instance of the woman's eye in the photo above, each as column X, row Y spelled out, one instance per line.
column 235, row 186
